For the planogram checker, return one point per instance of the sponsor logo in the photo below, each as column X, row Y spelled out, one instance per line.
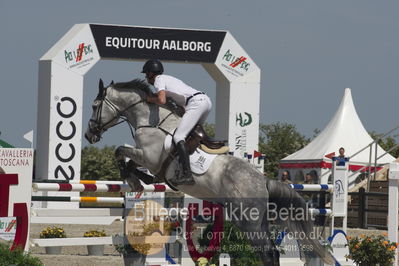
column 243, row 120
column 79, row 57
column 11, row 225
column 62, row 127
column 238, row 61
column 339, row 189
column 236, row 65
column 241, row 141
column 201, row 161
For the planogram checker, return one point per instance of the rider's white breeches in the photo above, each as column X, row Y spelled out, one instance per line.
column 197, row 111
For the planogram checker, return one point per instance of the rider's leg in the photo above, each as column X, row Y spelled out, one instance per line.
column 195, row 111
column 207, row 107
column 186, row 177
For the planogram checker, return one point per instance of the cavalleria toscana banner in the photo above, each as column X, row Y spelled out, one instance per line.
column 16, row 169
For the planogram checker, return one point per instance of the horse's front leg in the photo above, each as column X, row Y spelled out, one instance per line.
column 129, row 170
column 137, row 155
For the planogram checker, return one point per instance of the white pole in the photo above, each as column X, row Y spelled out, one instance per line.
column 312, row 187
column 393, row 205
column 98, row 187
column 340, row 192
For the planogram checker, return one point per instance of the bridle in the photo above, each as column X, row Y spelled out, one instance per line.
column 101, row 128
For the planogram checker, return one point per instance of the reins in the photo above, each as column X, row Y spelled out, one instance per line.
column 121, row 114
column 159, row 125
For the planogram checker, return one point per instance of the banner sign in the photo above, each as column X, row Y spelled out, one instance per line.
column 79, row 54
column 156, row 43
column 16, row 167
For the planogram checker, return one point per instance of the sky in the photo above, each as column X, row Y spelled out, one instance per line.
column 308, row 52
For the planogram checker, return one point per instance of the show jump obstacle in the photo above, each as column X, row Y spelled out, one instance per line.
column 62, row 70
column 19, row 189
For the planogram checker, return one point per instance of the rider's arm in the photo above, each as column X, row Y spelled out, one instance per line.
column 159, row 99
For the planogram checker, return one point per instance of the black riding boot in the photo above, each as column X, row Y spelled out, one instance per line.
column 185, row 178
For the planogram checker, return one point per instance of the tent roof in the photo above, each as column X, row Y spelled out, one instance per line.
column 344, row 130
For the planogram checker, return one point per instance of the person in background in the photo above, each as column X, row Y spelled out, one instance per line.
column 286, row 178
column 341, row 159
column 308, row 179
column 341, row 152
column 309, row 197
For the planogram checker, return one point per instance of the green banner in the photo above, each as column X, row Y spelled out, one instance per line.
column 4, row 144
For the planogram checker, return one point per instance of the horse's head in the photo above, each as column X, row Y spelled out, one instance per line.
column 104, row 115
column 111, row 103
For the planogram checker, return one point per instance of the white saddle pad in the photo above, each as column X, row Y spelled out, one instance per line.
column 200, row 161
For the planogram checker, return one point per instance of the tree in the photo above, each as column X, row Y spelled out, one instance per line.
column 277, row 141
column 209, row 129
column 99, row 164
column 386, row 143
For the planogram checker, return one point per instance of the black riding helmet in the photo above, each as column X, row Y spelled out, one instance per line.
column 155, row 66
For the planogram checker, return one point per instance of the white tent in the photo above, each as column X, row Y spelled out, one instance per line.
column 344, row 130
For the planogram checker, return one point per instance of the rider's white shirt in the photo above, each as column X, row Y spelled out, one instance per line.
column 173, row 87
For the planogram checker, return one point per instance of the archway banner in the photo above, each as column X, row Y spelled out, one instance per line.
column 129, row 42
column 61, row 82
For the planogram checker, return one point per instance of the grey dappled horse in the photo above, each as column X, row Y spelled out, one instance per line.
column 229, row 181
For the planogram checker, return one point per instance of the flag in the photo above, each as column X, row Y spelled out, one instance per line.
column 29, row 136
column 330, row 155
column 257, row 154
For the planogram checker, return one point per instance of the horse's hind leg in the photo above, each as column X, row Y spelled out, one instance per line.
column 270, row 249
column 264, row 243
column 257, row 233
column 261, row 243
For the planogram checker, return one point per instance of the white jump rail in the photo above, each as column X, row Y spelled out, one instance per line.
column 313, row 187
column 96, row 187
column 85, row 241
column 95, row 216
column 119, row 200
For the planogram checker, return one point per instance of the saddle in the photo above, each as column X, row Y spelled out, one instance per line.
column 199, row 139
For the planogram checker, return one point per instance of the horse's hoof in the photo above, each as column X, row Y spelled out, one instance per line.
column 179, row 182
column 134, row 184
column 136, row 188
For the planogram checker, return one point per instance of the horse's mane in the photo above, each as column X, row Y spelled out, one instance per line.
column 143, row 86
column 135, row 84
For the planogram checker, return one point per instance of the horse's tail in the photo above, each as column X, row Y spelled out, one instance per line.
column 282, row 196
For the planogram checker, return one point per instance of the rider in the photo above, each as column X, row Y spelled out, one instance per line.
column 197, row 107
